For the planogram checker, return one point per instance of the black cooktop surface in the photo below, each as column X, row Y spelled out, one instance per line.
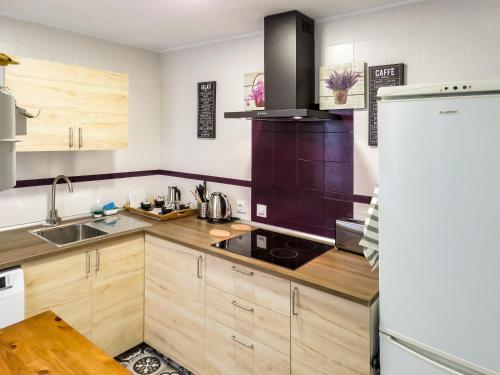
column 277, row 248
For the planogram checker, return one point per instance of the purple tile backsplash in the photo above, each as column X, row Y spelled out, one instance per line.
column 303, row 172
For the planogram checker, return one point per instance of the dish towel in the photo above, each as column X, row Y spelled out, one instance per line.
column 370, row 232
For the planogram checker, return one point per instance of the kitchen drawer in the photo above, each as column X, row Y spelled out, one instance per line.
column 244, row 282
column 248, row 318
column 228, row 352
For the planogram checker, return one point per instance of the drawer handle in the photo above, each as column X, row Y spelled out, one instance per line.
column 248, row 273
column 80, row 137
column 249, row 346
column 87, row 254
column 242, row 307
column 200, row 260
column 295, row 295
column 97, row 260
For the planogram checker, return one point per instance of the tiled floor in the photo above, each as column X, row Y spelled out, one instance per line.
column 144, row 360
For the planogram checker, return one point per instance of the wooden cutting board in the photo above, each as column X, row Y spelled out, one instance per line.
column 219, row 233
column 241, row 227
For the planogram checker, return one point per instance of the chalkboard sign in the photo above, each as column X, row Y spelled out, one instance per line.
column 381, row 76
column 206, row 109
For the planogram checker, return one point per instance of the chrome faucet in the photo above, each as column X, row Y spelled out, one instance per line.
column 53, row 218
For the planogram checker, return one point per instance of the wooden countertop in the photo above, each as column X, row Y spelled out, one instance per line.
column 340, row 273
column 46, row 345
column 336, row 272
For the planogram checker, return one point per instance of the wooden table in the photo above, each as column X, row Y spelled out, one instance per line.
column 46, row 345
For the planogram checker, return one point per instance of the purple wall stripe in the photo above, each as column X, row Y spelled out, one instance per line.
column 192, row 176
column 86, row 178
column 153, row 172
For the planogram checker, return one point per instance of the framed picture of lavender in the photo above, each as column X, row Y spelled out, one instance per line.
column 342, row 86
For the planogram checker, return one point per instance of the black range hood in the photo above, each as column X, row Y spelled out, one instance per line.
column 288, row 71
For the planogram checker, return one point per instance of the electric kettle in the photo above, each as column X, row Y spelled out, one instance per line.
column 219, row 209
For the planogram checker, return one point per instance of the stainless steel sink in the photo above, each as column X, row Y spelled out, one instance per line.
column 69, row 234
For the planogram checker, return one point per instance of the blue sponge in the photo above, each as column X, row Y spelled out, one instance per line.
column 109, row 206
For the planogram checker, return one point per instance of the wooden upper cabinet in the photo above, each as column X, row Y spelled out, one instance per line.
column 330, row 335
column 81, row 108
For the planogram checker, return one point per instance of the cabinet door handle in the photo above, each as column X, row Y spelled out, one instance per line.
column 200, row 260
column 249, row 346
column 80, row 137
column 97, row 260
column 71, row 137
column 248, row 273
column 242, row 307
column 87, row 255
column 295, row 295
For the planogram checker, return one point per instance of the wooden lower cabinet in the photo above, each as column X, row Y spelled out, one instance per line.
column 118, row 295
column 330, row 335
column 101, row 296
column 175, row 302
column 228, row 352
column 62, row 284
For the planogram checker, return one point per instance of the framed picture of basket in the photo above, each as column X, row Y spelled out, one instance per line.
column 253, row 91
column 342, row 86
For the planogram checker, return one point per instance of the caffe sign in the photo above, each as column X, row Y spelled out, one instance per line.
column 380, row 76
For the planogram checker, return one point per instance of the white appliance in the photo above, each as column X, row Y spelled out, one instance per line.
column 11, row 296
column 440, row 229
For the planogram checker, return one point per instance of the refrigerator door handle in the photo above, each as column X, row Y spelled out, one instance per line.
column 435, row 359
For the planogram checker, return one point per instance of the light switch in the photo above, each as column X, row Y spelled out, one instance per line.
column 241, row 206
column 262, row 210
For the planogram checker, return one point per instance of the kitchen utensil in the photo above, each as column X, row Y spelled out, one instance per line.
column 200, row 192
column 196, row 196
column 219, row 208
column 202, row 210
column 173, row 194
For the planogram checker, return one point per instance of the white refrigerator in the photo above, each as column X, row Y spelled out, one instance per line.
column 439, row 223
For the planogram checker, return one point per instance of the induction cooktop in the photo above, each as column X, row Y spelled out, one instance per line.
column 277, row 248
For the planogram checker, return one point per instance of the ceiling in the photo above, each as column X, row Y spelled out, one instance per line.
column 161, row 25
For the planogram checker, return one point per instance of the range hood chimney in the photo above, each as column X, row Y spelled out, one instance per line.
column 288, row 70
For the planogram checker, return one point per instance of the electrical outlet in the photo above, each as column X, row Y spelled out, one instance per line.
column 241, row 206
column 262, row 210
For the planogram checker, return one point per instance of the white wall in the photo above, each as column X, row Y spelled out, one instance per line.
column 28, row 204
column 438, row 40
column 229, row 155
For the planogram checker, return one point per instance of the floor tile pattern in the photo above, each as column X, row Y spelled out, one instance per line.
column 144, row 360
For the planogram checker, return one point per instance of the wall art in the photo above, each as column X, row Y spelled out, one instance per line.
column 254, row 97
column 206, row 109
column 342, row 86
column 381, row 76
